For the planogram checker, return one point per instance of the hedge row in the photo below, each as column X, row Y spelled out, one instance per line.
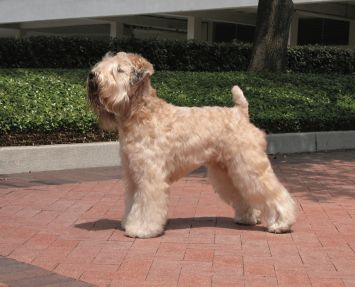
column 55, row 52
column 54, row 101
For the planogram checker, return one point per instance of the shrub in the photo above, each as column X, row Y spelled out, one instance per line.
column 321, row 59
column 55, row 52
column 43, row 101
column 278, row 102
column 54, row 101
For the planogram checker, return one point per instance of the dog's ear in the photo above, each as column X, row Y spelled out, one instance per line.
column 141, row 69
column 114, row 95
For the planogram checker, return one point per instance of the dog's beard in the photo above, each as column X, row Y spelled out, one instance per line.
column 107, row 121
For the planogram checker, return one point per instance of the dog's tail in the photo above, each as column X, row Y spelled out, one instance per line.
column 240, row 100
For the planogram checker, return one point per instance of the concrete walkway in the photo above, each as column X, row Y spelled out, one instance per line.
column 68, row 222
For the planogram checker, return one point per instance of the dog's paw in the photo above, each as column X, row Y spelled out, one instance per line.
column 246, row 220
column 137, row 232
column 123, row 224
column 279, row 228
column 252, row 217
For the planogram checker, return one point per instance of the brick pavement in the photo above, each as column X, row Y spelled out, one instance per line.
column 68, row 223
column 19, row 274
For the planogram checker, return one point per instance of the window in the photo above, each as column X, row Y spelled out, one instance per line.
column 245, row 33
column 227, row 32
column 224, row 32
column 323, row 31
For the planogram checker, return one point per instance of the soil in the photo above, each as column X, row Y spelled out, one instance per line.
column 62, row 137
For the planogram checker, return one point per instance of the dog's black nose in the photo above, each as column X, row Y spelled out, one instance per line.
column 91, row 75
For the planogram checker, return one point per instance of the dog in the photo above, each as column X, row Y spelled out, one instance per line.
column 160, row 143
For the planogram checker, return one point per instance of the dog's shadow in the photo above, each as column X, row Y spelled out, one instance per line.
column 174, row 224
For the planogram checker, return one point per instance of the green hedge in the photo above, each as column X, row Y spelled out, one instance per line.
column 321, row 59
column 53, row 52
column 52, row 100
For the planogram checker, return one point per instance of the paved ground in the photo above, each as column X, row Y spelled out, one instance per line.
column 19, row 274
column 69, row 223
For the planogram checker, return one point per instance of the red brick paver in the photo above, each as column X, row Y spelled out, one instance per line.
column 68, row 222
column 17, row 274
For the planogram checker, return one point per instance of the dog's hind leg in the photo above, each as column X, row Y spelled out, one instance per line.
column 251, row 171
column 223, row 185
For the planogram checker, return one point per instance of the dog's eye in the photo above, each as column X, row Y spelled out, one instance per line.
column 119, row 70
column 137, row 76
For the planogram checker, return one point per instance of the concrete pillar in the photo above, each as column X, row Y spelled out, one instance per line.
column 210, row 32
column 20, row 33
column 352, row 33
column 293, row 36
column 193, row 28
column 116, row 29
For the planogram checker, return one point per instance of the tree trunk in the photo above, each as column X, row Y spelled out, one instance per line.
column 271, row 36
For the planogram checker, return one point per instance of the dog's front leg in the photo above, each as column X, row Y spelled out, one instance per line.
column 148, row 214
column 128, row 199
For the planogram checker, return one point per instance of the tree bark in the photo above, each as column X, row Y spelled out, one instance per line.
column 271, row 36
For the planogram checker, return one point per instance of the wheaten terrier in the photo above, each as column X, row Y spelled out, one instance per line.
column 160, row 143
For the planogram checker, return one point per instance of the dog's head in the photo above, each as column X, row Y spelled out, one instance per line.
column 113, row 82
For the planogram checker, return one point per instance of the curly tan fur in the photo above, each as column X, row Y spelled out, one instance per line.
column 161, row 143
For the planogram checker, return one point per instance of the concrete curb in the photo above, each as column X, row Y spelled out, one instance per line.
column 310, row 142
column 58, row 157
column 71, row 156
column 291, row 143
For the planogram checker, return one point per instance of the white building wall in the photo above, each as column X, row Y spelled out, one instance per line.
column 12, row 11
column 30, row 17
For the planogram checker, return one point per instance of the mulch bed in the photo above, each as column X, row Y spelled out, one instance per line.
column 61, row 137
